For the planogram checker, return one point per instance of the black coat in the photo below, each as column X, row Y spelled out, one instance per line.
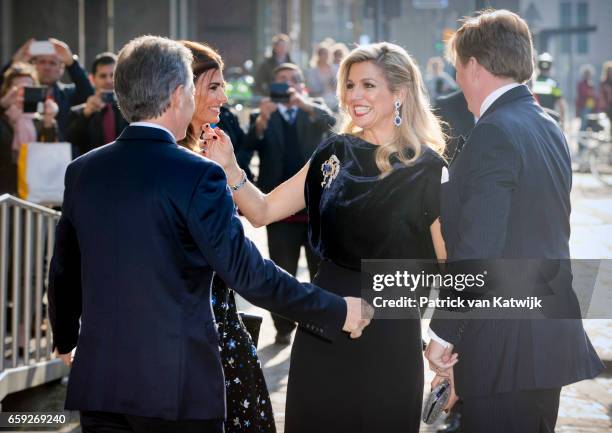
column 458, row 120
column 87, row 133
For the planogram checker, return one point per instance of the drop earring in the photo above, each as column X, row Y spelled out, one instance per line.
column 397, row 121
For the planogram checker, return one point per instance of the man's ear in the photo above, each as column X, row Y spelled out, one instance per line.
column 176, row 99
column 474, row 68
column 91, row 79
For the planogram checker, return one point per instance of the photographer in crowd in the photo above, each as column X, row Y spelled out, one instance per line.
column 285, row 132
column 19, row 124
column 98, row 121
column 50, row 62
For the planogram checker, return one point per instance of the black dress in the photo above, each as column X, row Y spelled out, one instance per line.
column 249, row 409
column 374, row 383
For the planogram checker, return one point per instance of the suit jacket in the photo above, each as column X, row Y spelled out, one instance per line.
column 459, row 121
column 87, row 133
column 134, row 258
column 311, row 130
column 68, row 95
column 508, row 197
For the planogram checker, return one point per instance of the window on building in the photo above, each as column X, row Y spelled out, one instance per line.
column 566, row 21
column 583, row 20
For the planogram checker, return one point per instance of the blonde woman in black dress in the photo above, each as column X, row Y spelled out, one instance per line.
column 372, row 192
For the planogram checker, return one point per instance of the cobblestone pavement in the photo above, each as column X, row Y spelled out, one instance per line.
column 585, row 407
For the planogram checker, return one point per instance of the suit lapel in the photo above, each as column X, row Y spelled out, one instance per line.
column 276, row 129
column 302, row 124
column 98, row 128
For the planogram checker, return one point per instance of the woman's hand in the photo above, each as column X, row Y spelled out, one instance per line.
column 217, row 145
column 453, row 396
column 14, row 96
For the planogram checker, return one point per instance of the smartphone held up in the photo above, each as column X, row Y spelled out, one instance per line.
column 34, row 99
column 41, row 48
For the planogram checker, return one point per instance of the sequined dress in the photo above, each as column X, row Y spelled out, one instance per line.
column 249, row 409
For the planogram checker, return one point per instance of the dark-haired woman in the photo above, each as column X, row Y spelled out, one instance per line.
column 248, row 403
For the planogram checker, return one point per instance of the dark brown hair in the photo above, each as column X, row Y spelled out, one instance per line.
column 499, row 40
column 289, row 67
column 205, row 58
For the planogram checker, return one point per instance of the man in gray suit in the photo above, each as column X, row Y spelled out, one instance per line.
column 507, row 196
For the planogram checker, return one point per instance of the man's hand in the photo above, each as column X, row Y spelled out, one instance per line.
column 66, row 358
column 266, row 108
column 63, row 51
column 299, row 100
column 23, row 53
column 358, row 315
column 453, row 396
column 93, row 104
column 441, row 359
column 51, row 110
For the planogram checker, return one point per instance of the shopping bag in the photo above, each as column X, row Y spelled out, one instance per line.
column 40, row 172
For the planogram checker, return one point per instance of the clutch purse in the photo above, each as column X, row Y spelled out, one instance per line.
column 437, row 400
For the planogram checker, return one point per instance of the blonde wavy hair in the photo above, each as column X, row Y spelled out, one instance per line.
column 419, row 125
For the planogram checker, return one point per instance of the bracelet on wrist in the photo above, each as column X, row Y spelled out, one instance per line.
column 240, row 183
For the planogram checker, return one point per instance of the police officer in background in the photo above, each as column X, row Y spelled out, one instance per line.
column 546, row 89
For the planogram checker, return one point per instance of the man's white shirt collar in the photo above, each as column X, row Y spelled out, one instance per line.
column 152, row 125
column 284, row 111
column 494, row 95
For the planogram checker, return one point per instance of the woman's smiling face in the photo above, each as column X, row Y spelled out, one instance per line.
column 367, row 96
column 209, row 97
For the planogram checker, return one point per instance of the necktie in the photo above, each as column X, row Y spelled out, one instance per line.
column 108, row 124
column 291, row 115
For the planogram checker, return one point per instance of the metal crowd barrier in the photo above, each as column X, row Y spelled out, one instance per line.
column 27, row 234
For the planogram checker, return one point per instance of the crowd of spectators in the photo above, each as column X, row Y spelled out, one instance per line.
column 85, row 113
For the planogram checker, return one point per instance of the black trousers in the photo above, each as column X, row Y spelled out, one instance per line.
column 285, row 240
column 532, row 411
column 106, row 422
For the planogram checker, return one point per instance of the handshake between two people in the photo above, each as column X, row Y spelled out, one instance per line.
column 358, row 315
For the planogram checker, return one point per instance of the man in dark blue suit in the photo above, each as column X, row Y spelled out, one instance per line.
column 145, row 224
column 507, row 196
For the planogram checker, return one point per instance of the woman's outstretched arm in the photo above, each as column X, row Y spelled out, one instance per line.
column 259, row 208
